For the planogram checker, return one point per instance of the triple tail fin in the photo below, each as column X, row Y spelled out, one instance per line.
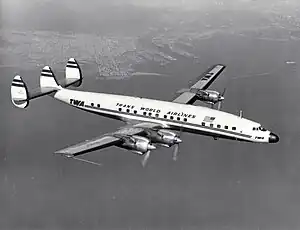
column 20, row 95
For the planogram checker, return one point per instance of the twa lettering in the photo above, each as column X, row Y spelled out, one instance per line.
column 76, row 102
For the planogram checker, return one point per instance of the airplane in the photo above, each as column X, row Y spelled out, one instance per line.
column 148, row 123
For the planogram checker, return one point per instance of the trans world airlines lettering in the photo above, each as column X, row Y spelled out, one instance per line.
column 181, row 114
column 150, row 110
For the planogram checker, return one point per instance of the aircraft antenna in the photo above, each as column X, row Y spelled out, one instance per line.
column 86, row 161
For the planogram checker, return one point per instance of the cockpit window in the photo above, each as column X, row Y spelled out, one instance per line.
column 262, row 129
column 259, row 128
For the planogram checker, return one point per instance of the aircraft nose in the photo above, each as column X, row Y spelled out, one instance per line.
column 273, row 138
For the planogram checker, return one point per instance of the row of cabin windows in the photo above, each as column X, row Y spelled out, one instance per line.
column 156, row 115
column 171, row 117
column 98, row 105
column 218, row 126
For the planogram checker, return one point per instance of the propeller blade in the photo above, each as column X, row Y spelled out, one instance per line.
column 175, row 152
column 145, row 158
column 219, row 105
column 224, row 91
column 221, row 98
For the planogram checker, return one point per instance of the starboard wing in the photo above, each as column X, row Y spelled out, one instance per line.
column 106, row 140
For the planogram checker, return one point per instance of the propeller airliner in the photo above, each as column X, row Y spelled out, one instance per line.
column 149, row 123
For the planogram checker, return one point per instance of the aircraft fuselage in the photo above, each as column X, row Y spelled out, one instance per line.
column 174, row 116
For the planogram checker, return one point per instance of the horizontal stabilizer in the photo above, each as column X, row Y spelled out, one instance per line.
column 19, row 93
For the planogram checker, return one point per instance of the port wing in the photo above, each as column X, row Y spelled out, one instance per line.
column 188, row 96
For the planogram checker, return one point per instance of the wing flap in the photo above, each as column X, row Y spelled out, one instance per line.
column 186, row 98
column 89, row 146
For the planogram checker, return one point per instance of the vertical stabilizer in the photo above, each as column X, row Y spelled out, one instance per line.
column 48, row 80
column 73, row 73
column 19, row 93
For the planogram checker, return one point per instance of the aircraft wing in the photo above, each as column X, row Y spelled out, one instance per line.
column 200, row 83
column 106, row 140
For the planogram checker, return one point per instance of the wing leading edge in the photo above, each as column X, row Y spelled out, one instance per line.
column 200, row 83
column 106, row 140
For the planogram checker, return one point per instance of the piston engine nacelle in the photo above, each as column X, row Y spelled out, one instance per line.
column 164, row 137
column 209, row 96
column 138, row 144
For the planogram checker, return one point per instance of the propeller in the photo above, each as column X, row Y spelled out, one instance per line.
column 176, row 146
column 221, row 98
column 146, row 158
column 175, row 152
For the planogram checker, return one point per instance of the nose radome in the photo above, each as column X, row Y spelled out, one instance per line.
column 273, row 138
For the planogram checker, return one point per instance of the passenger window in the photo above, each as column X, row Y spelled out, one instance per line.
column 233, row 128
column 98, row 105
column 185, row 119
column 127, row 110
column 157, row 115
column 172, row 117
column 178, row 118
column 203, row 124
column 135, row 112
column 145, row 113
column 226, row 126
column 150, row 114
column 92, row 104
column 120, row 109
column 211, row 125
column 219, row 126
column 165, row 116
